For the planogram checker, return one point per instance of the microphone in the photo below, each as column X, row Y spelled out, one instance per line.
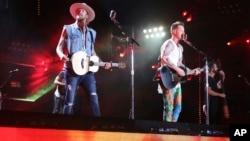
column 112, row 14
column 15, row 70
column 184, row 39
column 184, row 36
column 240, row 76
column 244, row 78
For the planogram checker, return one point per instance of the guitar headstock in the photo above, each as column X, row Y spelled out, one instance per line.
column 121, row 65
column 202, row 69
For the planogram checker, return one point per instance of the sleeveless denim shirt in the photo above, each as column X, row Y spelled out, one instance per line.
column 75, row 41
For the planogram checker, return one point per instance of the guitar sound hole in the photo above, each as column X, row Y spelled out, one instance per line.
column 91, row 63
column 82, row 63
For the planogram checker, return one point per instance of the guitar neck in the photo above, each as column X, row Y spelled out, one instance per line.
column 103, row 64
column 193, row 72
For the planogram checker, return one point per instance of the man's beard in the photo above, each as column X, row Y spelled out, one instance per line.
column 80, row 18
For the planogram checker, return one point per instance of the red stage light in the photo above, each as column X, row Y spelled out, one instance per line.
column 184, row 13
column 189, row 18
column 248, row 41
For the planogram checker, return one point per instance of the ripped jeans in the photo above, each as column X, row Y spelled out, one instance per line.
column 88, row 83
column 172, row 103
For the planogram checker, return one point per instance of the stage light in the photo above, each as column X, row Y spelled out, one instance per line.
column 187, row 16
column 154, row 32
column 118, row 48
column 43, row 62
column 248, row 41
column 155, row 29
column 121, row 55
column 184, row 13
column 226, row 8
column 154, row 67
column 38, row 7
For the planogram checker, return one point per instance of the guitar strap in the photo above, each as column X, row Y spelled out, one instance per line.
column 92, row 39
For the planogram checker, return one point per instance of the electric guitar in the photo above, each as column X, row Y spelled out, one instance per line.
column 170, row 78
column 82, row 63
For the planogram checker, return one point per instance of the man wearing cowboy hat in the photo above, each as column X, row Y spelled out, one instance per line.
column 79, row 37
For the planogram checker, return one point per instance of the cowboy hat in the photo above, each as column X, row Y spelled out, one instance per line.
column 90, row 11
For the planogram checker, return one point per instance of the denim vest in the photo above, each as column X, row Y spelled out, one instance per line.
column 75, row 39
column 74, row 42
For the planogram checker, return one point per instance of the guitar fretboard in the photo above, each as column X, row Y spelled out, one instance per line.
column 102, row 64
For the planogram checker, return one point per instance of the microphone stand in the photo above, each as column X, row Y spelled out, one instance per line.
column 206, row 78
column 1, row 87
column 246, row 81
column 206, row 90
column 131, row 42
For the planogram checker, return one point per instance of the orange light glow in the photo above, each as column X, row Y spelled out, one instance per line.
column 122, row 55
column 36, row 134
column 155, row 66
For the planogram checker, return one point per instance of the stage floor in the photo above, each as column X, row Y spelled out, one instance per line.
column 40, row 126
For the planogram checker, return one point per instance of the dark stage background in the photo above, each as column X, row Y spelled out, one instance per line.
column 30, row 30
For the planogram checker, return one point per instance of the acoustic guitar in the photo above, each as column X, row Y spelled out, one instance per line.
column 82, row 63
column 170, row 78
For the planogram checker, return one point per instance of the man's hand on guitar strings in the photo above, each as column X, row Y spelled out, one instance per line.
column 65, row 58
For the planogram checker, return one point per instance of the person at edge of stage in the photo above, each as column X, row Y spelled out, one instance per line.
column 59, row 93
column 75, row 37
column 215, row 94
column 171, row 55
